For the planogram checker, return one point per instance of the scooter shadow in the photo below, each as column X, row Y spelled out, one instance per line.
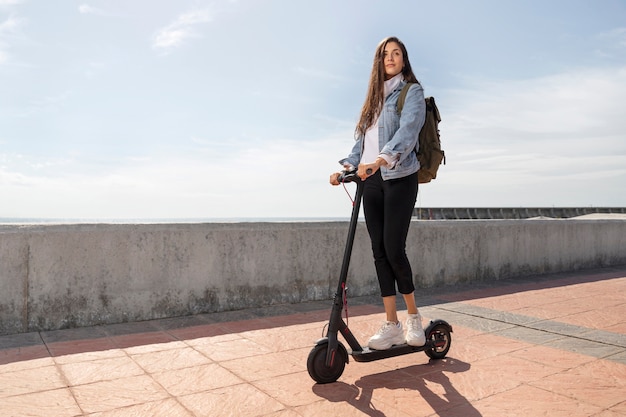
column 444, row 399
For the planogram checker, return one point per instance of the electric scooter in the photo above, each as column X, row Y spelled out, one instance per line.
column 328, row 358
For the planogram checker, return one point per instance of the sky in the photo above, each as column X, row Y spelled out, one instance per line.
column 193, row 109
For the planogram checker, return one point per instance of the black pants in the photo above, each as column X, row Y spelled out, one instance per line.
column 388, row 207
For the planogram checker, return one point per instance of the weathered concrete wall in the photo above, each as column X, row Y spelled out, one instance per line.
column 60, row 276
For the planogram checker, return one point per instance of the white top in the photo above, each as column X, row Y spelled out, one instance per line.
column 371, row 147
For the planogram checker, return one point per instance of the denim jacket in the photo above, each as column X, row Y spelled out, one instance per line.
column 397, row 135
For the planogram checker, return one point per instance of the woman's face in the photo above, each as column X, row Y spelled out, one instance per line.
column 392, row 60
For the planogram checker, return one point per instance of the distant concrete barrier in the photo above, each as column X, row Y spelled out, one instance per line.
column 61, row 276
column 495, row 213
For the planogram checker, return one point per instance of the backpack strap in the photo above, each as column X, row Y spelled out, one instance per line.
column 402, row 98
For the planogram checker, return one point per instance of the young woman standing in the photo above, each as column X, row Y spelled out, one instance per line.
column 385, row 160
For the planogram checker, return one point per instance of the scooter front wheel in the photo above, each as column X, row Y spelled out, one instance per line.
column 441, row 339
column 316, row 363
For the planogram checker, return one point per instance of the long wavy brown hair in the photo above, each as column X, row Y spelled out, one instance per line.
column 376, row 89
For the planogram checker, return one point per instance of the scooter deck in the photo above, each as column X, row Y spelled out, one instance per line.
column 369, row 355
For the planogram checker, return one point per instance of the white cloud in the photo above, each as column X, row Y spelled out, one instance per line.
column 284, row 178
column 554, row 140
column 8, row 28
column 87, row 9
column 177, row 32
column 9, row 2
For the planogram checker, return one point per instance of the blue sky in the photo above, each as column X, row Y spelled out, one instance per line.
column 149, row 109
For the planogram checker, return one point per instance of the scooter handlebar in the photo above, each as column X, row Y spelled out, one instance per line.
column 348, row 176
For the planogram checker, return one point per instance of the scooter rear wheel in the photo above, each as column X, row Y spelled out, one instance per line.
column 316, row 364
column 441, row 339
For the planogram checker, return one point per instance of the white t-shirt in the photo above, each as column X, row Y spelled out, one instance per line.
column 371, row 148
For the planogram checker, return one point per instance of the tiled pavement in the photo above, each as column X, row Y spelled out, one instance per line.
column 543, row 346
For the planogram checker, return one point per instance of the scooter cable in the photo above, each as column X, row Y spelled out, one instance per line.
column 348, row 192
column 344, row 291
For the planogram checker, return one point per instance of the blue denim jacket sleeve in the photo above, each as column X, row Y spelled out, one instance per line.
column 397, row 135
column 400, row 134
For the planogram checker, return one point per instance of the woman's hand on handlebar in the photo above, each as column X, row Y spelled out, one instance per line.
column 334, row 178
column 367, row 170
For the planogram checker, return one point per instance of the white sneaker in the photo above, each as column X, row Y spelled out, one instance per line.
column 415, row 335
column 389, row 334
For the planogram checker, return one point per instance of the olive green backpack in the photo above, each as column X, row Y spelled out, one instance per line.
column 429, row 154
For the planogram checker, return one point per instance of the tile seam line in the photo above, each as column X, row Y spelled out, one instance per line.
column 539, row 329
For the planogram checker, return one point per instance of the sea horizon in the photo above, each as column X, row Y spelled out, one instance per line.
column 46, row 220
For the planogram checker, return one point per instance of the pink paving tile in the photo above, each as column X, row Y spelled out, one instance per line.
column 356, row 406
column 601, row 383
column 489, row 377
column 165, row 408
column 80, row 373
column 232, row 349
column 608, row 413
column 601, row 318
column 284, row 339
column 254, row 368
column 120, row 393
column 30, row 380
column 283, row 413
column 292, row 390
column 237, row 401
column 619, row 408
column 57, row 403
column 552, row 357
column 525, row 401
column 197, row 379
column 484, row 346
column 170, row 359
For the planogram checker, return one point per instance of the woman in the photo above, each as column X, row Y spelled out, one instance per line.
column 386, row 162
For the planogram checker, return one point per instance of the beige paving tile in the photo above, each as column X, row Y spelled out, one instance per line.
column 57, row 403
column 165, row 408
column 119, row 393
column 80, row 373
column 30, row 380
column 236, row 401
column 165, row 360
column 196, row 379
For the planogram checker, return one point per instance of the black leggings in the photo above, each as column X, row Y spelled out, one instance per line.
column 388, row 207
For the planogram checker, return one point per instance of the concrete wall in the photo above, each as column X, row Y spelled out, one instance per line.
column 60, row 276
